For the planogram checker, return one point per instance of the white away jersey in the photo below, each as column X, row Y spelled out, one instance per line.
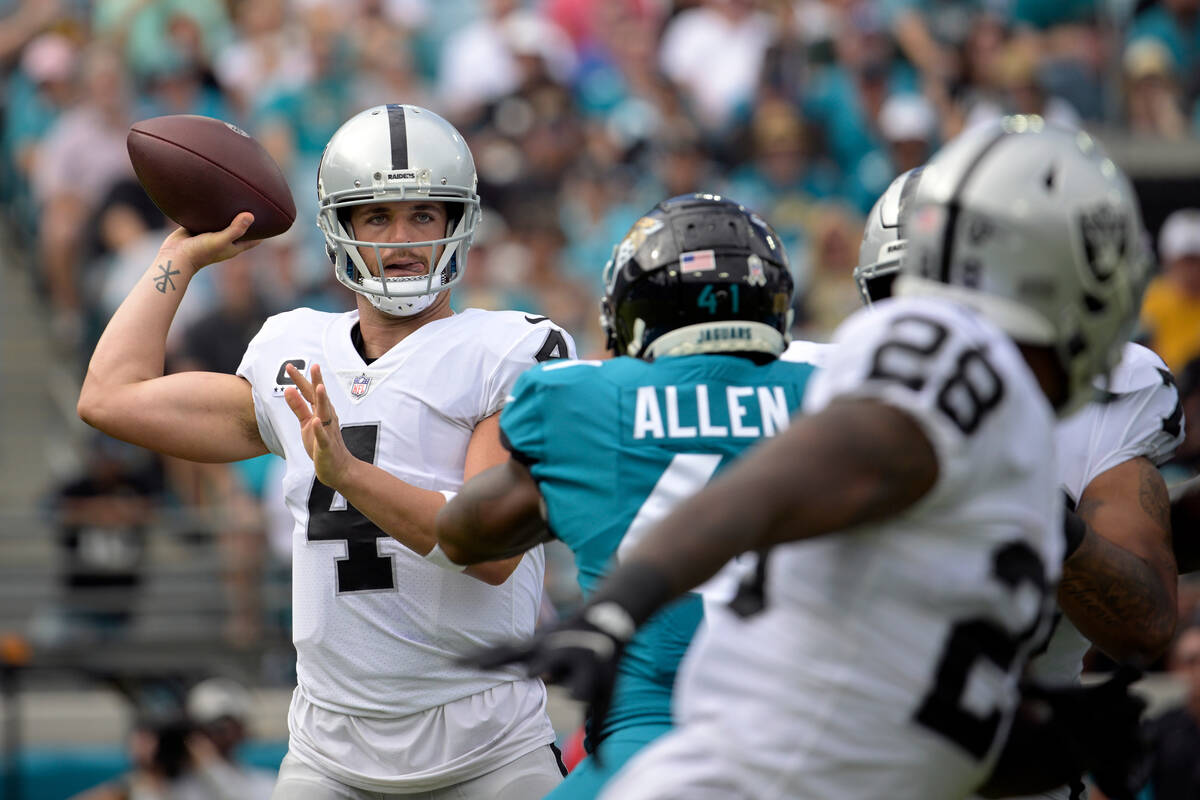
column 1141, row 416
column 376, row 626
column 885, row 663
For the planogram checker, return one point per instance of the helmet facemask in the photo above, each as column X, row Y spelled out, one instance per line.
column 390, row 154
column 399, row 295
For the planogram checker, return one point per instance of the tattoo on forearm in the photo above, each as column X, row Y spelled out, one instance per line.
column 1153, row 497
column 164, row 278
column 1115, row 597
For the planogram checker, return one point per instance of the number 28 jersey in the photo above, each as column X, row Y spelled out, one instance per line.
column 886, row 660
column 377, row 628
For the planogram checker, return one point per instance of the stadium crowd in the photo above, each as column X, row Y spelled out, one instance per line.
column 580, row 115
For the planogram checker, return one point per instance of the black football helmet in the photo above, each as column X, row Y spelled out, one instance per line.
column 698, row 274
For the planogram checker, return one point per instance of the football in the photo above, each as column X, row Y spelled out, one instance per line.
column 201, row 172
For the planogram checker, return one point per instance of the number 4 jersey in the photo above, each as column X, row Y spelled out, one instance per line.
column 377, row 628
column 886, row 660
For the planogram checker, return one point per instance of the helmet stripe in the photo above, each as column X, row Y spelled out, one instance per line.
column 907, row 190
column 399, row 134
column 953, row 204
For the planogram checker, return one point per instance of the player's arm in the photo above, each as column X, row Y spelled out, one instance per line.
column 200, row 416
column 1119, row 585
column 405, row 512
column 857, row 461
column 497, row 514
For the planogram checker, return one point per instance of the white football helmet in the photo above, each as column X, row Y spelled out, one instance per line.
column 883, row 239
column 1037, row 229
column 397, row 153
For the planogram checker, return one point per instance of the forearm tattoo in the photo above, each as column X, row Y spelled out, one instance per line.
column 1114, row 596
column 164, row 278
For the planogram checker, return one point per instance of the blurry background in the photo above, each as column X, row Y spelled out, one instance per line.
column 126, row 578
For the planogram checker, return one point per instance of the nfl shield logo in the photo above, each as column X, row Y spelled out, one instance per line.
column 359, row 386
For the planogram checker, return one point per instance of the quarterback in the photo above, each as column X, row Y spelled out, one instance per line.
column 380, row 413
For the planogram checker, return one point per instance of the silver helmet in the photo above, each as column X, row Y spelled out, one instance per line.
column 883, row 239
column 1037, row 229
column 397, row 153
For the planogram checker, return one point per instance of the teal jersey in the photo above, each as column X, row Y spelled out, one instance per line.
column 614, row 445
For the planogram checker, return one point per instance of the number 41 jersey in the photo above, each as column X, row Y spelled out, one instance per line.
column 886, row 660
column 614, row 446
column 377, row 627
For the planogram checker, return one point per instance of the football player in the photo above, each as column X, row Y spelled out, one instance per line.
column 913, row 509
column 696, row 307
column 1119, row 581
column 381, row 705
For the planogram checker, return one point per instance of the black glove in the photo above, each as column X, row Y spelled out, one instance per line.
column 580, row 653
column 1102, row 728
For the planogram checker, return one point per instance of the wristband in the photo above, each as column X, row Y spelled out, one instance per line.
column 437, row 557
column 1074, row 529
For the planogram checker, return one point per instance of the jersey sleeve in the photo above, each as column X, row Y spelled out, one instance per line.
column 1143, row 415
column 253, row 370
column 927, row 360
column 542, row 342
column 522, row 422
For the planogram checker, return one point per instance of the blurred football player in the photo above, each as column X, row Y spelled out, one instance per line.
column 1119, row 581
column 913, row 509
column 381, row 705
column 696, row 307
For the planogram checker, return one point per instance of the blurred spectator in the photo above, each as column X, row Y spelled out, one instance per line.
column 784, row 180
column 129, row 228
column 844, row 101
column 81, row 158
column 909, row 126
column 479, row 64
column 714, row 53
column 1022, row 90
column 102, row 514
column 1151, row 91
column 268, row 56
column 830, row 294
column 931, row 34
column 219, row 710
column 1171, row 308
column 1176, row 24
column 160, row 764
column 38, row 91
column 1175, row 735
column 155, row 35
column 23, row 20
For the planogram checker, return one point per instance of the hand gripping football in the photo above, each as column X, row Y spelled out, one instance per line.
column 201, row 172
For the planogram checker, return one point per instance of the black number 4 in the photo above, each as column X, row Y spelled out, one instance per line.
column 362, row 569
column 554, row 347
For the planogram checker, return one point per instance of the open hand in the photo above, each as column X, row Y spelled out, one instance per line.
column 319, row 429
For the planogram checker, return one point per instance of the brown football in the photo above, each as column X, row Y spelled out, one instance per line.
column 201, row 172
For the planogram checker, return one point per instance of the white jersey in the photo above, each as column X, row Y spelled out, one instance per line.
column 377, row 628
column 1141, row 416
column 886, row 661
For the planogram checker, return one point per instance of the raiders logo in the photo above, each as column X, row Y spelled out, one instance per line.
column 1105, row 234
